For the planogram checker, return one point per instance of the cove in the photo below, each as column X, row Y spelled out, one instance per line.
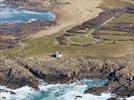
column 10, row 15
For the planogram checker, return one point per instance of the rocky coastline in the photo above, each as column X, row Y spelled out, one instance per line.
column 19, row 72
column 119, row 73
column 12, row 33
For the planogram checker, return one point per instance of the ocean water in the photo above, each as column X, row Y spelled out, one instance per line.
column 74, row 91
column 14, row 15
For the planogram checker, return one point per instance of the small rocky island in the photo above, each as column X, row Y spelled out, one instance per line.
column 99, row 47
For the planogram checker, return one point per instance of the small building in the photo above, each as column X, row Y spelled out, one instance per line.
column 57, row 55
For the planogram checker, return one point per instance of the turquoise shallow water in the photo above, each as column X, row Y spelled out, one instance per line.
column 14, row 15
column 57, row 92
column 74, row 91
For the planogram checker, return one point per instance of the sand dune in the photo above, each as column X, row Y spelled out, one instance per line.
column 76, row 12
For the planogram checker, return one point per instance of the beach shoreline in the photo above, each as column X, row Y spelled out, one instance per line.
column 80, row 12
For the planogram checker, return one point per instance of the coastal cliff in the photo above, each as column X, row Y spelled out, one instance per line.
column 118, row 72
column 14, row 76
column 98, row 48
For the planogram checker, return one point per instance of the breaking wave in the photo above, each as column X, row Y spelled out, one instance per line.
column 74, row 91
column 56, row 92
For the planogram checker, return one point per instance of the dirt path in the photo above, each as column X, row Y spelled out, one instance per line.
column 76, row 12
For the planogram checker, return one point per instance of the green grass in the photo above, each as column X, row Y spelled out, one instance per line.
column 117, row 38
column 112, row 4
column 125, row 18
column 36, row 46
column 82, row 39
column 47, row 45
column 112, row 32
column 129, row 1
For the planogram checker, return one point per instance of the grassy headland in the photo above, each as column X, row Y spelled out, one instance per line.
column 97, row 42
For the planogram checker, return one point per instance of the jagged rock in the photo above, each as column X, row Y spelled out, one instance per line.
column 21, row 72
column 97, row 90
column 14, row 76
column 114, row 98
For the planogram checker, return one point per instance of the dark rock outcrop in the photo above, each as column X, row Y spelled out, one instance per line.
column 116, row 71
column 14, row 76
column 97, row 90
column 114, row 98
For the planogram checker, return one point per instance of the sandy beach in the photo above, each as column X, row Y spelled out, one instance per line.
column 76, row 12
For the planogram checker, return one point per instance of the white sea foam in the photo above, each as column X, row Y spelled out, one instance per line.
column 74, row 91
column 7, row 12
column 31, row 20
column 2, row 0
column 130, row 98
column 31, row 12
column 55, row 92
